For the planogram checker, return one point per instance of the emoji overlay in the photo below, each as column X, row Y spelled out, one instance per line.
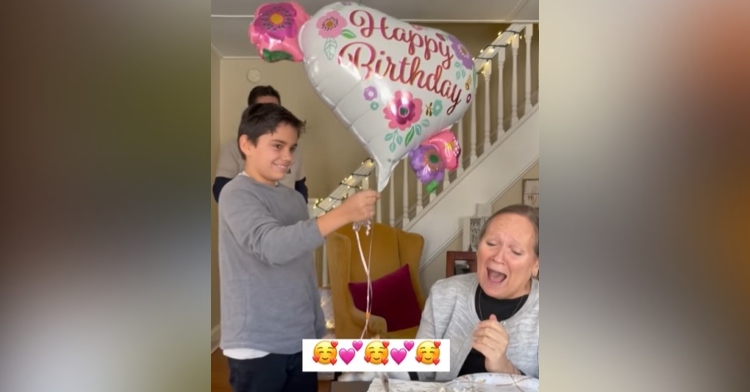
column 428, row 352
column 375, row 355
column 325, row 352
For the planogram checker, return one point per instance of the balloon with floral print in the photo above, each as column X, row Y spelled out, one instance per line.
column 392, row 84
column 433, row 157
column 275, row 31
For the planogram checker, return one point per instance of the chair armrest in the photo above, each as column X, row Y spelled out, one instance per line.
column 376, row 326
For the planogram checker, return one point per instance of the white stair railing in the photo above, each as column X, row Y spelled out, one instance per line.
column 482, row 135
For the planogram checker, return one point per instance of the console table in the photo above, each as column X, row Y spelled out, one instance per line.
column 452, row 256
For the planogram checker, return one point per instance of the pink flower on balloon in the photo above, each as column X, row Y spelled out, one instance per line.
column 447, row 146
column 277, row 21
column 330, row 24
column 403, row 110
column 462, row 54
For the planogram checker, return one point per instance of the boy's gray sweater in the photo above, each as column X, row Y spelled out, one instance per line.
column 269, row 294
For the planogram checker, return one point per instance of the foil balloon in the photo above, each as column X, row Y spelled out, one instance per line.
column 392, row 84
column 432, row 158
column 447, row 144
column 275, row 29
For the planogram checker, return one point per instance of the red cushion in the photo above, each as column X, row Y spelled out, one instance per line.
column 392, row 298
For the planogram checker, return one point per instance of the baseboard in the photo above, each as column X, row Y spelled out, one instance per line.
column 215, row 337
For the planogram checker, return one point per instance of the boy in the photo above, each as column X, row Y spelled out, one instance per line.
column 230, row 162
column 269, row 294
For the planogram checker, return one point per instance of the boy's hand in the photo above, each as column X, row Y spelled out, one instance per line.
column 356, row 208
column 360, row 206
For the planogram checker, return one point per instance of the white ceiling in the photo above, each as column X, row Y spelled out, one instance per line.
column 230, row 18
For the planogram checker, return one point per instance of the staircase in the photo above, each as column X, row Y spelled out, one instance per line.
column 499, row 138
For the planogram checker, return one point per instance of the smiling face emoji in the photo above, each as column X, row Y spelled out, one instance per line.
column 376, row 352
column 325, row 352
column 428, row 352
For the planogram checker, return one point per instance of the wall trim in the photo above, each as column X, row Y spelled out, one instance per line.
column 215, row 337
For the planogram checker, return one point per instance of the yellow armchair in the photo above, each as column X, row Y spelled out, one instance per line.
column 391, row 249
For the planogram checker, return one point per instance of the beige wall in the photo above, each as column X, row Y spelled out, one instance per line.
column 215, row 129
column 436, row 268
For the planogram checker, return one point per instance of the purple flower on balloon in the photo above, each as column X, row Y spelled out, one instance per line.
column 427, row 164
column 277, row 21
column 461, row 53
column 403, row 110
column 331, row 24
column 371, row 93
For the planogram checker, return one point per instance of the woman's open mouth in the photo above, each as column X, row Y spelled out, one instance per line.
column 496, row 277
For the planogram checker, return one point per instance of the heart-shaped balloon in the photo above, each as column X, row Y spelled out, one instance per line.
column 392, row 84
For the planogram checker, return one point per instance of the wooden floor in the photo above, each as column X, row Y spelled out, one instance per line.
column 220, row 375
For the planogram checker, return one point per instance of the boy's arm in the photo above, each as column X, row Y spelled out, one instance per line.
column 260, row 233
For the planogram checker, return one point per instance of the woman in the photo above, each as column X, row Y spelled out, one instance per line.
column 491, row 317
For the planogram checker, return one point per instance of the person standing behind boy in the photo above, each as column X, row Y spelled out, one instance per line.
column 231, row 163
column 269, row 293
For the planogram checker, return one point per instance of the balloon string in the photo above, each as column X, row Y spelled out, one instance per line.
column 366, row 266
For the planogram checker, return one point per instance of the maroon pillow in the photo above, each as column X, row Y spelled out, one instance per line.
column 392, row 298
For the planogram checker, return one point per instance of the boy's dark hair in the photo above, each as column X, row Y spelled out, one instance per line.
column 262, row 91
column 262, row 118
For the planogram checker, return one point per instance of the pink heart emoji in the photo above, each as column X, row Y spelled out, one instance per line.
column 357, row 344
column 398, row 355
column 346, row 355
column 409, row 345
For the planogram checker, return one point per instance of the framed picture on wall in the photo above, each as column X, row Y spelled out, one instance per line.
column 531, row 192
column 472, row 229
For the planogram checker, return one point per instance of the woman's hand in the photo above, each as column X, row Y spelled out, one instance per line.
column 491, row 339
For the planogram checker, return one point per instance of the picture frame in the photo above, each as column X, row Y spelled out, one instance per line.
column 531, row 192
column 461, row 267
column 472, row 229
